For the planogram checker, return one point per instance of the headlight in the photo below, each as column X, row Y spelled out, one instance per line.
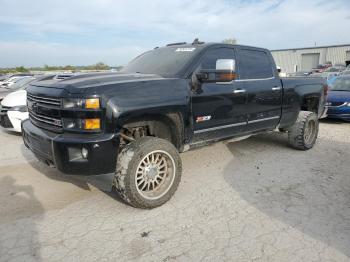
column 90, row 103
column 19, row 108
column 82, row 124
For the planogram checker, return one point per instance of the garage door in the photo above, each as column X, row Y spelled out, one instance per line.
column 347, row 55
column 309, row 61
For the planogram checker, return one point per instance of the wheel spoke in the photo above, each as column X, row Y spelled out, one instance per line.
column 156, row 182
column 157, row 158
column 144, row 186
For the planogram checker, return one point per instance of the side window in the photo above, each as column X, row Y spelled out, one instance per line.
column 210, row 57
column 254, row 64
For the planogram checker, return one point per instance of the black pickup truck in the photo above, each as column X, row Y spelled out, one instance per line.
column 165, row 101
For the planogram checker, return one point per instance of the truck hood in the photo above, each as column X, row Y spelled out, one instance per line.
column 94, row 81
column 338, row 96
column 18, row 98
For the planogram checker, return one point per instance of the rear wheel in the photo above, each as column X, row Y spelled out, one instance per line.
column 303, row 134
column 148, row 172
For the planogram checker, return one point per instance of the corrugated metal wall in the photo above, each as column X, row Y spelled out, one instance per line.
column 289, row 60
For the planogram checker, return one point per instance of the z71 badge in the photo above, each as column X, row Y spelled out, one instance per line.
column 202, row 118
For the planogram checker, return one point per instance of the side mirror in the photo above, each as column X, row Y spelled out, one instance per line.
column 224, row 72
column 226, row 64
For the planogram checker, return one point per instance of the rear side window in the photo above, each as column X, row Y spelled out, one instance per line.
column 254, row 64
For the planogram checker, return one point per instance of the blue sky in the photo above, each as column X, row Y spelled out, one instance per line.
column 80, row 32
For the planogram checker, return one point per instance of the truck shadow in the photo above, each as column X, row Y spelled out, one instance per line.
column 333, row 121
column 301, row 189
column 19, row 239
column 101, row 182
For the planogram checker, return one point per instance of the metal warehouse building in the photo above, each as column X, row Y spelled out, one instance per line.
column 304, row 59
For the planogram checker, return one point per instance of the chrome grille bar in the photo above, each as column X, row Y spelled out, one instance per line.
column 44, row 100
column 47, row 120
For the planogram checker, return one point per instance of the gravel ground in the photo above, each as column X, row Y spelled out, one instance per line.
column 254, row 199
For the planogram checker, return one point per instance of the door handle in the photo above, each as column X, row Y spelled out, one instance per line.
column 238, row 91
column 276, row 88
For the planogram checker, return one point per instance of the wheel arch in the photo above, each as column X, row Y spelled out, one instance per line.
column 169, row 126
column 310, row 103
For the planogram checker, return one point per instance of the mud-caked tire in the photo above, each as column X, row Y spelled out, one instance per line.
column 148, row 172
column 303, row 134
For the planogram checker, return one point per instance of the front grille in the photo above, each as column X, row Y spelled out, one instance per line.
column 4, row 109
column 45, row 101
column 45, row 112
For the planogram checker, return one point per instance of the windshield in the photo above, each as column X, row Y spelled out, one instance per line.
column 341, row 84
column 166, row 61
column 20, row 83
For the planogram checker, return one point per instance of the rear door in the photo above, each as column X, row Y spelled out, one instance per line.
column 263, row 87
column 217, row 108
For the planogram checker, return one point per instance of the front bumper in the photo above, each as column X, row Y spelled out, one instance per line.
column 341, row 112
column 345, row 117
column 64, row 150
column 5, row 121
column 324, row 113
column 15, row 119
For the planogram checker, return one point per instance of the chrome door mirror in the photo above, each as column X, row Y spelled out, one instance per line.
column 226, row 64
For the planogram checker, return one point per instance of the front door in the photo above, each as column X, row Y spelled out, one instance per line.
column 217, row 108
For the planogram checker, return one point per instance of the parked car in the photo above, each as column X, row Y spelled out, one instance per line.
column 12, row 80
column 17, row 84
column 3, row 77
column 13, row 108
column 299, row 74
column 320, row 68
column 167, row 100
column 338, row 101
column 340, row 67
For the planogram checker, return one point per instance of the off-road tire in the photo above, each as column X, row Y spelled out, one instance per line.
column 297, row 134
column 127, row 165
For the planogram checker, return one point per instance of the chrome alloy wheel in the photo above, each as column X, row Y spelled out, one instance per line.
column 310, row 132
column 155, row 174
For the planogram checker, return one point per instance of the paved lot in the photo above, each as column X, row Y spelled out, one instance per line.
column 250, row 200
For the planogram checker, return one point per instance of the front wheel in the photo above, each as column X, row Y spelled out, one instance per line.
column 303, row 134
column 148, row 172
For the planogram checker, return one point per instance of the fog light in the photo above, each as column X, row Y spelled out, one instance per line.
column 84, row 153
column 93, row 123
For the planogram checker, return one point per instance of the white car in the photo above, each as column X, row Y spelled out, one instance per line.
column 13, row 110
column 12, row 80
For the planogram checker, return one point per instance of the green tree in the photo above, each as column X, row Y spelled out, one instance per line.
column 21, row 69
column 101, row 66
column 69, row 67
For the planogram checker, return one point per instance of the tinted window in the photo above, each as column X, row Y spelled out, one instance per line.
column 254, row 65
column 166, row 61
column 341, row 84
column 208, row 61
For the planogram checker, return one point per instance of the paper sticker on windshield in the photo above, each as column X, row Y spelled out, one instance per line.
column 185, row 49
